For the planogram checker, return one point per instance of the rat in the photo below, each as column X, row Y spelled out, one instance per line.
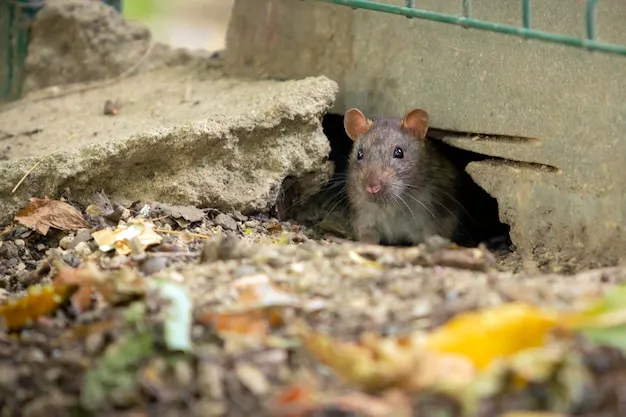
column 400, row 187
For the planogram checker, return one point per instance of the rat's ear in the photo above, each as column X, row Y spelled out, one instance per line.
column 356, row 124
column 416, row 122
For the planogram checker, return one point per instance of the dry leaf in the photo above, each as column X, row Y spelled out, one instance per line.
column 115, row 287
column 137, row 230
column 304, row 399
column 257, row 309
column 81, row 300
column 42, row 214
column 493, row 333
column 297, row 400
column 38, row 302
column 378, row 364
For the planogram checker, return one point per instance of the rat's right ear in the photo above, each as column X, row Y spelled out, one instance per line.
column 416, row 122
column 356, row 124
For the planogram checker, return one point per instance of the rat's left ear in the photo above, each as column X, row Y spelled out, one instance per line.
column 416, row 123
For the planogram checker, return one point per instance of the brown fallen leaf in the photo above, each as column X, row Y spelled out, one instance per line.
column 305, row 399
column 115, row 287
column 43, row 214
column 257, row 310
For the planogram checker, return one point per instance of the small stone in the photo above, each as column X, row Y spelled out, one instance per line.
column 94, row 342
column 65, row 242
column 252, row 378
column 153, row 265
column 82, row 236
column 13, row 261
column 245, row 270
column 226, row 222
column 239, row 217
column 19, row 243
column 9, row 250
column 252, row 224
column 184, row 373
column 82, row 249
column 21, row 266
column 40, row 247
column 211, row 380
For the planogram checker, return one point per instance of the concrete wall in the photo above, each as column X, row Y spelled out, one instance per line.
column 570, row 102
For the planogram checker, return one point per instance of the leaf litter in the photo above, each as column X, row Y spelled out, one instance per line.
column 267, row 318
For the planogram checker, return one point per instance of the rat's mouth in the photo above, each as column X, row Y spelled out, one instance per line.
column 381, row 196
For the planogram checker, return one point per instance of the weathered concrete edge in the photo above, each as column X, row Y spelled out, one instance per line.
column 100, row 165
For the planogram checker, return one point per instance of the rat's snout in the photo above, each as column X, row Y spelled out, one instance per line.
column 373, row 188
column 373, row 184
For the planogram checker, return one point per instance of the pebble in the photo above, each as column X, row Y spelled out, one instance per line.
column 19, row 243
column 82, row 236
column 82, row 249
column 40, row 247
column 239, row 217
column 245, row 270
column 9, row 250
column 252, row 378
column 226, row 222
column 210, row 380
column 252, row 224
column 65, row 242
column 153, row 265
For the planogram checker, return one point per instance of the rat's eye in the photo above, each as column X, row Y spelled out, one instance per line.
column 359, row 154
column 398, row 152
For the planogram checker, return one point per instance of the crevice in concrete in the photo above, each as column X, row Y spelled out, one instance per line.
column 329, row 208
column 518, row 140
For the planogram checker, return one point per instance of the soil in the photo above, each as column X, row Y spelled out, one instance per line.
column 48, row 367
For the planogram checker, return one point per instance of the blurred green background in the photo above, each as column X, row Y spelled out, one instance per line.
column 192, row 24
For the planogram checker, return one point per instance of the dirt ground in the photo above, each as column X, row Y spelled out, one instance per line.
column 105, row 355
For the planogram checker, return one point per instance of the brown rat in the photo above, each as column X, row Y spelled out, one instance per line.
column 400, row 187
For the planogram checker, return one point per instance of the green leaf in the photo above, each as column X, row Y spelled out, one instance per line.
column 609, row 336
column 115, row 374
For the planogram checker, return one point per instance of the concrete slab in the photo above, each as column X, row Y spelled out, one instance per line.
column 183, row 135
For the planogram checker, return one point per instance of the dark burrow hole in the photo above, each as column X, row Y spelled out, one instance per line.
column 480, row 223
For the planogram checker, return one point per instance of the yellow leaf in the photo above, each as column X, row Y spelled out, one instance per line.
column 377, row 363
column 493, row 333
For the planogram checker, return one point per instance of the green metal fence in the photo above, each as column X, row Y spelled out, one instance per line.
column 15, row 20
column 466, row 20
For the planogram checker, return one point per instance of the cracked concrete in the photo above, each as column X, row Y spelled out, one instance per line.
column 183, row 135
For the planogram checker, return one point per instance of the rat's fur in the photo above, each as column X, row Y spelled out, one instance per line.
column 417, row 199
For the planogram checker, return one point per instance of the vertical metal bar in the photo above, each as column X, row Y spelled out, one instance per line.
column 526, row 13
column 410, row 3
column 590, row 17
column 467, row 8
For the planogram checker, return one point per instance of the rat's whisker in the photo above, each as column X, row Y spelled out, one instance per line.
column 423, row 205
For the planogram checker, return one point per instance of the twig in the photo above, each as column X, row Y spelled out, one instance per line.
column 176, row 232
column 26, row 175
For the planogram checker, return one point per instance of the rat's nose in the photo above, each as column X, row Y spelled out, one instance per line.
column 373, row 188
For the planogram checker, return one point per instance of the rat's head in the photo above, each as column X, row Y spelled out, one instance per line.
column 387, row 154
